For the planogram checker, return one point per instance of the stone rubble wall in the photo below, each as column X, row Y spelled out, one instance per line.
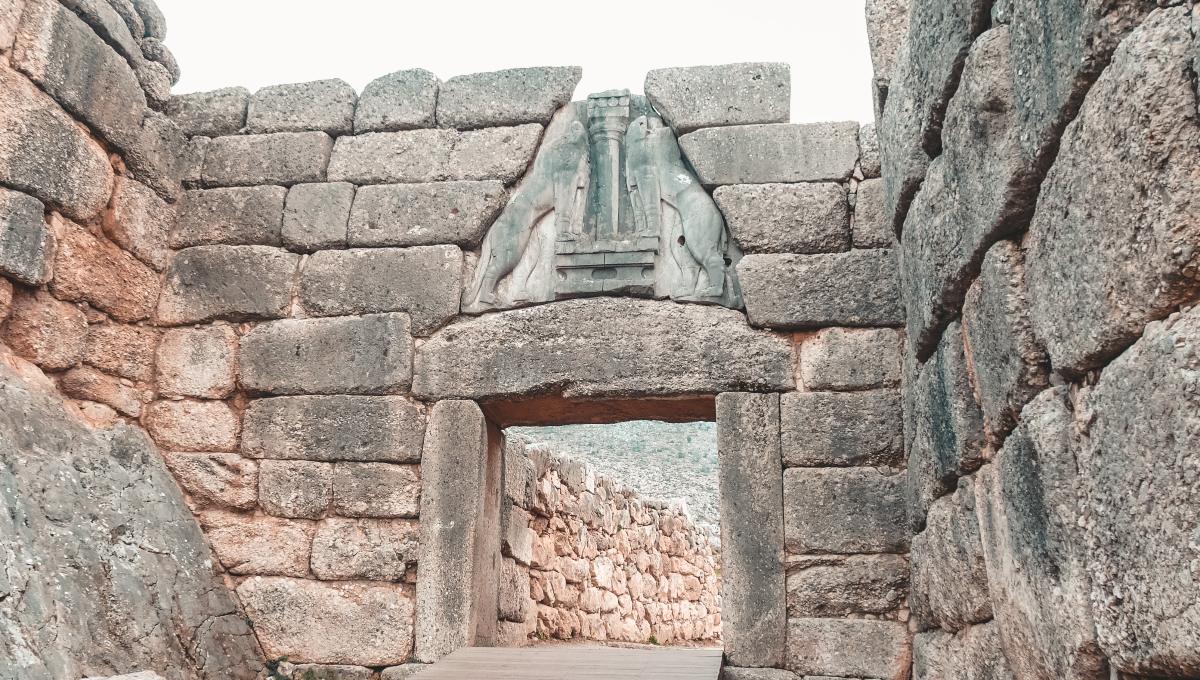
column 585, row 558
column 1041, row 165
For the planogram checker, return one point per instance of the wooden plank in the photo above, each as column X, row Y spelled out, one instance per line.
column 575, row 663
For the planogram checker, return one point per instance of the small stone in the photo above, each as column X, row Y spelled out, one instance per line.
column 316, row 216
column 193, row 425
column 26, row 247
column 125, row 351
column 310, row 671
column 730, row 94
column 849, row 648
column 298, row 489
column 140, row 221
column 425, row 214
column 870, row 225
column 822, row 429
column 868, row 151
column 435, row 155
column 846, row 359
column 335, row 428
column 88, row 269
column 283, row 158
column 368, row 549
column 759, row 154
column 509, row 97
column 88, row 383
column 324, row 105
column 787, row 218
column 887, row 27
column 227, row 282
column 844, row 510
column 198, row 362
column 45, row 331
column 734, row 673
column 259, row 545
column 236, row 216
column 216, row 479
column 871, row 585
column 191, row 161
column 949, row 579
column 795, row 292
column 210, row 114
column 976, row 653
column 376, row 490
column 403, row 100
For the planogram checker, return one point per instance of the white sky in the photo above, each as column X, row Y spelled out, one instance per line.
column 255, row 43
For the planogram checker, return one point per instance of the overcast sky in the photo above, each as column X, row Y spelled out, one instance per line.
column 255, row 43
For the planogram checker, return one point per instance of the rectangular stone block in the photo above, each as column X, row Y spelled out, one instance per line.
column 403, row 100
column 376, row 490
column 26, row 250
column 247, row 544
column 87, row 383
column 221, row 480
column 236, row 216
column 295, row 488
column 787, row 218
column 870, row 225
column 340, row 428
column 868, row 151
column 322, row 105
column 283, row 158
column 821, row 429
column 887, row 28
column 316, row 216
column 425, row 214
column 848, row 359
column 198, row 362
column 45, row 330
column 949, row 579
column 189, row 425
column 369, row 354
column 849, row 648
column 977, row 653
column 753, row 595
column 844, row 510
column 435, row 155
column 729, row 94
column 141, row 221
column 858, row 288
column 210, row 114
column 424, row 281
column 96, row 271
column 508, row 97
column 366, row 549
column 122, row 350
column 759, row 154
column 844, row 586
column 227, row 282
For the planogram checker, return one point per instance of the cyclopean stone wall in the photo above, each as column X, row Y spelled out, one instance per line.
column 1041, row 167
column 586, row 558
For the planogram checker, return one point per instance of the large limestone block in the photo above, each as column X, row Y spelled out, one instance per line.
column 887, row 29
column 849, row 359
column 509, row 97
column 1138, row 465
column 849, row 648
column 368, row 549
column 44, row 153
column 501, row 153
column 316, row 216
column 1113, row 243
column 259, row 545
column 751, row 485
column 337, row 428
column 949, row 578
column 602, row 347
column 729, row 94
column 298, row 489
column 210, row 114
column 96, row 271
column 403, row 100
column 870, row 225
column 425, row 214
column 140, row 222
column 855, row 585
column 221, row 480
column 156, row 156
column 974, row 654
column 26, row 248
column 188, row 425
column 330, row 622
column 47, row 331
column 10, row 18
column 227, row 282
column 284, row 158
column 197, row 362
column 236, row 216
column 858, row 288
column 759, row 154
column 369, row 354
column 787, row 218
column 381, row 490
column 424, row 281
column 844, row 511
column 322, row 105
column 828, row 429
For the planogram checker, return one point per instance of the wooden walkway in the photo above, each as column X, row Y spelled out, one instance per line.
column 568, row 662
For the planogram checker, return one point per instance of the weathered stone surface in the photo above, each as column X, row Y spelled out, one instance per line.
column 210, row 114
column 758, row 154
column 284, row 158
column 111, row 521
column 370, row 549
column 125, row 351
column 887, row 29
column 44, row 153
column 6, row 295
column 868, row 151
column 844, row 510
column 193, row 425
column 403, row 100
column 858, row 288
column 974, row 654
column 730, row 94
column 87, row 383
column 334, row 429
column 323, row 105
column 144, row 675
column 227, row 282
column 874, row 585
column 376, row 490
column 514, row 591
column 425, row 214
column 855, row 648
column 224, row 480
column 509, row 97
column 236, row 216
column 140, row 221
column 826, row 429
column 295, row 488
column 1111, row 254
column 949, row 579
column 435, row 155
column 311, row 671
column 26, row 247
column 155, row 157
column 44, row 330
column 198, row 362
column 517, row 539
column 316, row 216
column 847, row 359
column 10, row 17
column 369, row 354
column 787, row 218
column 88, row 269
column 752, row 525
column 249, row 545
column 405, row 672
column 320, row 622
column 870, row 226
column 735, row 673
column 191, row 161
column 424, row 281
column 1008, row 365
column 591, row 348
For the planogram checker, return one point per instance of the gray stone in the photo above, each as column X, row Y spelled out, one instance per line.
column 855, row 648
column 949, row 579
column 369, row 354
column 847, row 359
column 826, row 429
column 435, row 155
column 758, row 154
column 284, row 158
column 517, row 538
column 425, row 214
column 509, row 97
column 312, row 671
column 787, row 218
column 129, row 13
column 223, row 480
column 870, row 226
column 227, row 282
column 974, row 654
column 44, row 153
column 602, row 347
column 868, row 152
column 751, row 481
column 376, row 490
column 191, row 161
column 368, row 549
column 405, row 672
column 197, row 362
column 154, row 158
column 858, row 288
column 424, row 281
column 140, row 222
column 236, row 216
column 1112, row 245
column 108, row 24
column 844, row 510
column 26, row 245
column 299, row 489
column 735, row 673
column 887, row 28
column 321, row 105
column 514, row 591
column 729, row 94
column 210, row 114
column 152, row 18
column 1008, row 366
column 316, row 216
column 155, row 80
column 403, row 100
column 157, row 52
column 843, row 586
column 340, row 428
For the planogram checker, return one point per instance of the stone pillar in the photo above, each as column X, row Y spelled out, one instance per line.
column 753, row 610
